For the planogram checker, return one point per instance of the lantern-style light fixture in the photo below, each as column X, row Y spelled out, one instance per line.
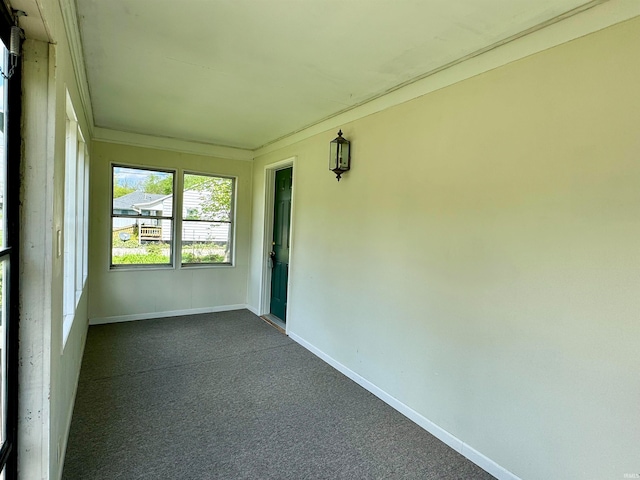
column 339, row 155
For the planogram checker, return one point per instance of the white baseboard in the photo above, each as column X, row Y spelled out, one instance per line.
column 458, row 445
column 172, row 313
column 253, row 310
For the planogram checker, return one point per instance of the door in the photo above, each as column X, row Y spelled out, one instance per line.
column 280, row 244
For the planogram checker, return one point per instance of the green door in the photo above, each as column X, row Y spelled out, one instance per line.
column 280, row 251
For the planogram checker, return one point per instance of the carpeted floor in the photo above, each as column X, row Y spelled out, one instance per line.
column 226, row 396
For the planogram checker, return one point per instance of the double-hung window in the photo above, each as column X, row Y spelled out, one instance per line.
column 207, row 219
column 142, row 219
column 144, row 203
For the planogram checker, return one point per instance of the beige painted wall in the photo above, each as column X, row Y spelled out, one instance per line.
column 142, row 292
column 48, row 373
column 480, row 262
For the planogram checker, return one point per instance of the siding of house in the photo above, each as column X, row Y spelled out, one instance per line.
column 194, row 232
column 480, row 261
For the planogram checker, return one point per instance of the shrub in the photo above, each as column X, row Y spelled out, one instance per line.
column 188, row 257
column 140, row 259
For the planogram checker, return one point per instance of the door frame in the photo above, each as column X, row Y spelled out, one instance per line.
column 267, row 233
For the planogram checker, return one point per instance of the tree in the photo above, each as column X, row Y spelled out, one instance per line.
column 122, row 190
column 162, row 185
column 215, row 193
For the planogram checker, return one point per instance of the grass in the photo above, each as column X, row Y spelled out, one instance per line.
column 140, row 259
column 188, row 257
column 158, row 254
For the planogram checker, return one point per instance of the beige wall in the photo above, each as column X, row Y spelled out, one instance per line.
column 480, row 261
column 147, row 292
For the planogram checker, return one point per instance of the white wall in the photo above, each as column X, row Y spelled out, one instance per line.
column 48, row 373
column 505, row 306
column 146, row 293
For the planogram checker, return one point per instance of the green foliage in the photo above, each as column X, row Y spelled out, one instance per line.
column 158, row 253
column 216, row 193
column 154, row 248
column 122, row 190
column 148, row 254
column 157, row 184
column 140, row 259
column 131, row 243
column 203, row 253
column 188, row 257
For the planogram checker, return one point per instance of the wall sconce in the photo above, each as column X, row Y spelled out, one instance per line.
column 339, row 155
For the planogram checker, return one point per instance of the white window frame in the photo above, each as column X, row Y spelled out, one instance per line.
column 176, row 219
column 173, row 218
column 75, row 216
column 232, row 220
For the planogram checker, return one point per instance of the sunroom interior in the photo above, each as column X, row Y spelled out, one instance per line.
column 477, row 267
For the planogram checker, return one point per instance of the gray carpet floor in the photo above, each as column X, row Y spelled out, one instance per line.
column 226, row 396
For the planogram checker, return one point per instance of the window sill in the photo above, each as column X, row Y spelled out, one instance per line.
column 139, row 268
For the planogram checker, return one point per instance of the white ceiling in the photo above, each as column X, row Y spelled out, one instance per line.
column 244, row 73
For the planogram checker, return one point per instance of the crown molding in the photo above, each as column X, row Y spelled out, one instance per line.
column 589, row 18
column 171, row 144
column 70, row 20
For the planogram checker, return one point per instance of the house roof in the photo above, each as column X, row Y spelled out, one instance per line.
column 127, row 202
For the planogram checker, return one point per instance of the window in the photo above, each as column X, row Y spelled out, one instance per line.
column 10, row 103
column 76, row 225
column 141, row 216
column 207, row 219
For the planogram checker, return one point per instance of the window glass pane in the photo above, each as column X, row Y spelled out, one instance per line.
column 142, row 192
column 206, row 242
column 207, row 198
column 3, row 243
column 3, row 149
column 3, row 350
column 8, row 390
column 141, row 241
column 142, row 217
column 207, row 212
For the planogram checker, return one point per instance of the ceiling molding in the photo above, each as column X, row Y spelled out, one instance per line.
column 171, row 144
column 589, row 18
column 70, row 20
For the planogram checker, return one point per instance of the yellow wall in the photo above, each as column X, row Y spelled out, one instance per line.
column 480, row 262
column 145, row 292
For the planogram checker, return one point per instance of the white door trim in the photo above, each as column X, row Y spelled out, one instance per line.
column 267, row 233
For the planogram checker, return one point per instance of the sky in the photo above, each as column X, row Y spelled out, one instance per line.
column 133, row 177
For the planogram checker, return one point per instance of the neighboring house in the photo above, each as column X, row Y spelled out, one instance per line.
column 150, row 204
column 137, row 203
column 194, row 232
